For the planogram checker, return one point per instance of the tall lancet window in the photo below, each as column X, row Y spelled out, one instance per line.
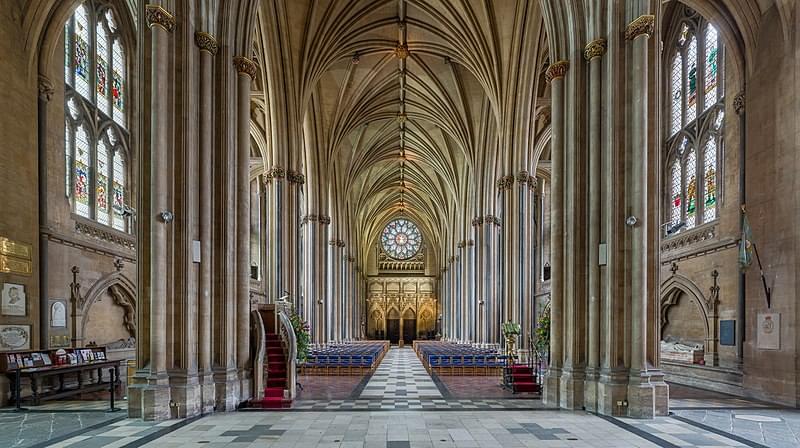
column 96, row 139
column 694, row 119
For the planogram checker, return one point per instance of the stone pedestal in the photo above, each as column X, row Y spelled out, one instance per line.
column 552, row 390
column 572, row 388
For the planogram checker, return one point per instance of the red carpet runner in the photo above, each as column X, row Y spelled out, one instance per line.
column 275, row 374
column 523, row 379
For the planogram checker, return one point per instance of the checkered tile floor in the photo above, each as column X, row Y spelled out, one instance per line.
column 415, row 404
column 401, row 376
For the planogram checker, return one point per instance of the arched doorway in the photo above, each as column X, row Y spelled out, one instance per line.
column 409, row 323
column 393, row 326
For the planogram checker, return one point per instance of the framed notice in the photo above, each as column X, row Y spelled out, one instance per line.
column 12, row 300
column 15, row 337
column 769, row 331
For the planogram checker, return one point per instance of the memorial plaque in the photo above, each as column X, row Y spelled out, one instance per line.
column 727, row 332
column 58, row 314
column 769, row 331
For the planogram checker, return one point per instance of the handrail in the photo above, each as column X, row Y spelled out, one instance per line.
column 258, row 361
column 287, row 334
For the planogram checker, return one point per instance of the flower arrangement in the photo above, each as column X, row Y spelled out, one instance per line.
column 542, row 333
column 302, row 334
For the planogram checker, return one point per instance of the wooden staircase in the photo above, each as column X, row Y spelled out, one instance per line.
column 523, row 379
column 275, row 372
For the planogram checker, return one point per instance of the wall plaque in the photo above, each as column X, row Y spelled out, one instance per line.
column 58, row 314
column 727, row 332
column 13, row 265
column 13, row 300
column 15, row 249
column 15, row 337
column 769, row 331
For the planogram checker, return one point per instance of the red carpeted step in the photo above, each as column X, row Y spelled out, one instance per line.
column 276, row 382
column 526, row 387
column 273, row 392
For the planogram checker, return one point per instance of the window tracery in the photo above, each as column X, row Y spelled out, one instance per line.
column 401, row 239
column 695, row 118
column 96, row 138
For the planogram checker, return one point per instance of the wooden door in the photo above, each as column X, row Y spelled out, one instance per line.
column 409, row 330
column 393, row 330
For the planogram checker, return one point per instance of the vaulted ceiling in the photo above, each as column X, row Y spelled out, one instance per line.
column 399, row 107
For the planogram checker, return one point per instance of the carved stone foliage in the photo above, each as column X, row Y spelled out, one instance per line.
column 641, row 26
column 689, row 237
column 556, row 71
column 128, row 303
column 245, row 66
column 206, row 42
column 595, row 49
column 156, row 15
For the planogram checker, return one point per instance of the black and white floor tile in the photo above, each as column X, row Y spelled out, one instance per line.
column 400, row 376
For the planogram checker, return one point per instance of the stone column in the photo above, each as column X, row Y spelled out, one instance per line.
column 739, row 107
column 479, row 279
column 593, row 53
column 555, row 76
column 246, row 70
column 45, row 94
column 208, row 48
column 150, row 394
column 641, row 401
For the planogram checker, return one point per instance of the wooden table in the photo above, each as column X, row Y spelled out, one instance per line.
column 36, row 374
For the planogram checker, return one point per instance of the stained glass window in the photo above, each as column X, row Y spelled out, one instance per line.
column 691, row 80
column 675, row 194
column 118, row 86
column 401, row 239
column 691, row 189
column 694, row 121
column 95, row 138
column 711, row 66
column 101, row 75
column 710, row 180
column 677, row 94
column 101, row 193
column 83, row 165
column 82, row 51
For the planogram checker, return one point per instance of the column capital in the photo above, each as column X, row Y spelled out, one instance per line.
column 206, row 42
column 245, row 66
column 505, row 183
column 46, row 89
column 595, row 49
column 641, row 26
column 477, row 221
column 275, row 172
column 557, row 70
column 295, row 177
column 157, row 15
column 324, row 219
column 739, row 103
column 491, row 219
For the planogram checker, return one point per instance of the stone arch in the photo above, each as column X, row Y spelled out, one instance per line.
column 409, row 313
column 121, row 290
column 671, row 291
column 393, row 313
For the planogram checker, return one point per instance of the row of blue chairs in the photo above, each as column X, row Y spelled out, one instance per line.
column 346, row 359
column 475, row 364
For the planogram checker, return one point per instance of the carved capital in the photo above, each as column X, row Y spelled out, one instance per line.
column 739, row 103
column 476, row 221
column 340, row 243
column 522, row 178
column 532, row 182
column 324, row 219
column 641, row 26
column 461, row 244
column 295, row 177
column 206, row 42
column 245, row 66
column 491, row 219
column 156, row 15
column 505, row 183
column 557, row 71
column 275, row 172
column 595, row 49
